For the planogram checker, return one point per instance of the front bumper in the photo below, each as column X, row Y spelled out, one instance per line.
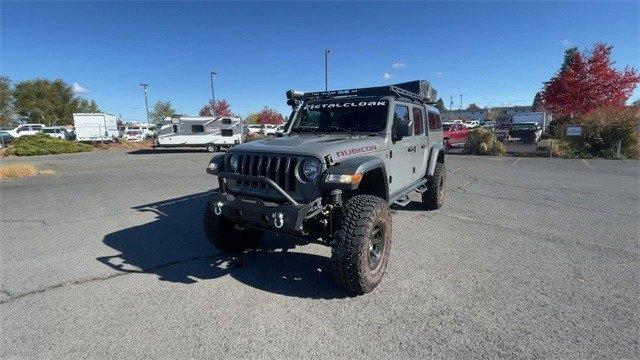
column 283, row 217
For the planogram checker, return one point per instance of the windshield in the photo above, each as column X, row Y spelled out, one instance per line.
column 446, row 127
column 353, row 115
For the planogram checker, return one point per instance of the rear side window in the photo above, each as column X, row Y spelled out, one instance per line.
column 435, row 124
column 49, row 131
column 197, row 128
column 418, row 121
column 401, row 121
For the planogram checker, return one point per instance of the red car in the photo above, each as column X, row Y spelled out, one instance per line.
column 454, row 134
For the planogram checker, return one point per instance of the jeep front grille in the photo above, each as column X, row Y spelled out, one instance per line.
column 279, row 168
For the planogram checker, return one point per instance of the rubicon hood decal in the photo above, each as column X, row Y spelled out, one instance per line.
column 341, row 154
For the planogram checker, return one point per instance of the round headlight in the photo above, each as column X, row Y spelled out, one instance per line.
column 233, row 162
column 311, row 169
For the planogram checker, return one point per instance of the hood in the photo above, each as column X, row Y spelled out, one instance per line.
column 337, row 146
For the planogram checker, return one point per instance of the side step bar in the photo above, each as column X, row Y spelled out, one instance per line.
column 402, row 197
column 403, row 201
column 420, row 189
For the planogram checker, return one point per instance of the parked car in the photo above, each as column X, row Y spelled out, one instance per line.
column 526, row 132
column 269, row 129
column 253, row 129
column 472, row 124
column 135, row 135
column 26, row 129
column 454, row 134
column 57, row 132
column 5, row 139
column 489, row 125
column 280, row 129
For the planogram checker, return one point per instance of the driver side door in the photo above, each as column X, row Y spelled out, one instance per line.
column 401, row 159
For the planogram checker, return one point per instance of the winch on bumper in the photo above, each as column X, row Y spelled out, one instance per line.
column 287, row 217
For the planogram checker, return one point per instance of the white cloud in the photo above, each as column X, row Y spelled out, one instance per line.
column 78, row 89
column 438, row 73
column 387, row 76
column 397, row 65
column 564, row 42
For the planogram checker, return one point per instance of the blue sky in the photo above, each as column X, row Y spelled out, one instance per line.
column 490, row 52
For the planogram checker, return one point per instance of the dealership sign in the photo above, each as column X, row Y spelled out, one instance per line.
column 574, row 130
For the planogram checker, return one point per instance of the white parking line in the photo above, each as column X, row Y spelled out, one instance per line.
column 586, row 163
column 515, row 162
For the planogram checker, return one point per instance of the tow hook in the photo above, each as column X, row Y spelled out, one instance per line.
column 278, row 220
column 217, row 208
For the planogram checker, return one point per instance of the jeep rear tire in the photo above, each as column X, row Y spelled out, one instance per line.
column 362, row 243
column 226, row 235
column 433, row 198
column 212, row 148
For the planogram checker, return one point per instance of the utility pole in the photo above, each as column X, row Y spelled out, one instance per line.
column 146, row 103
column 326, row 69
column 213, row 96
column 460, row 101
column 451, row 103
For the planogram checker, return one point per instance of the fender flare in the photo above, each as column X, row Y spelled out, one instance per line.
column 433, row 157
column 361, row 165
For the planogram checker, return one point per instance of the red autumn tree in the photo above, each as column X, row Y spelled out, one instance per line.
column 221, row 108
column 269, row 116
column 588, row 81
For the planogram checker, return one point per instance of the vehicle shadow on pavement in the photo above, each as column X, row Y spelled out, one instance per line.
column 174, row 248
column 166, row 151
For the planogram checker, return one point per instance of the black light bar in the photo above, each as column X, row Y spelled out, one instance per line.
column 419, row 90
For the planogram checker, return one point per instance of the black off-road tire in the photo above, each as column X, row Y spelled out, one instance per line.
column 212, row 148
column 433, row 198
column 226, row 235
column 363, row 219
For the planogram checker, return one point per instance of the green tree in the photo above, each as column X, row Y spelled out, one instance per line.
column 161, row 110
column 537, row 102
column 440, row 105
column 7, row 115
column 86, row 106
column 251, row 118
column 49, row 102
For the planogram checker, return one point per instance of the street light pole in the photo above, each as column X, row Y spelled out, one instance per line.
column 460, row 101
column 213, row 96
column 146, row 103
column 326, row 69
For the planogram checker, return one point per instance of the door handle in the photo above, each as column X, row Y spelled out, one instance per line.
column 423, row 146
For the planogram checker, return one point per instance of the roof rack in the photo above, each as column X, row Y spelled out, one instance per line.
column 419, row 90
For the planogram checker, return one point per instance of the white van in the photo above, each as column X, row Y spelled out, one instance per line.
column 95, row 127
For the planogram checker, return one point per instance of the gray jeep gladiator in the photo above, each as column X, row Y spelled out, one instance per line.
column 343, row 158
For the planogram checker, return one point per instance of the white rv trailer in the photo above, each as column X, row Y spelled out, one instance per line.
column 200, row 131
column 95, row 127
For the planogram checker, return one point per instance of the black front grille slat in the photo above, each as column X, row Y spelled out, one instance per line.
column 279, row 168
column 268, row 169
column 287, row 169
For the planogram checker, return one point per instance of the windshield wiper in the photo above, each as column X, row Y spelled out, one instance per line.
column 298, row 130
column 337, row 128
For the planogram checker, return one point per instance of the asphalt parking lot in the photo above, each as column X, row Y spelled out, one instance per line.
column 529, row 258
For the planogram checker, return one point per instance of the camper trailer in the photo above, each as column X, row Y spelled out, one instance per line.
column 212, row 133
column 95, row 127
